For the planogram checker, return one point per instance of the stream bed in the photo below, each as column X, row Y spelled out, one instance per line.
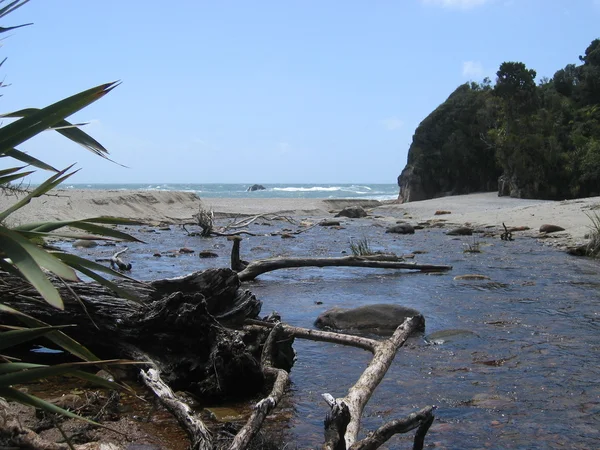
column 523, row 372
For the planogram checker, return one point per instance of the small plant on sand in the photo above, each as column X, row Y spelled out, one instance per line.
column 593, row 247
column 361, row 248
column 206, row 220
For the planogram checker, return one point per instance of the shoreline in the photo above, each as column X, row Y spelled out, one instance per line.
column 478, row 210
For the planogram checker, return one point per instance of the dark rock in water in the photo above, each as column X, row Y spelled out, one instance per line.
column 256, row 187
column 207, row 254
column 353, row 212
column 185, row 250
column 461, row 231
column 329, row 223
column 446, row 336
column 401, row 228
column 84, row 243
column 379, row 319
column 547, row 228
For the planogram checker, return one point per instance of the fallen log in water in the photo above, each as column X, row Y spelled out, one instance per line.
column 248, row 271
column 256, row 268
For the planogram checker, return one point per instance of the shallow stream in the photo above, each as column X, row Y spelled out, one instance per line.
column 529, row 376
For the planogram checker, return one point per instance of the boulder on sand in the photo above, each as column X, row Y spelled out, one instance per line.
column 401, row 228
column 353, row 212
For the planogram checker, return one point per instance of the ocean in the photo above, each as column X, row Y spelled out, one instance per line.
column 286, row 190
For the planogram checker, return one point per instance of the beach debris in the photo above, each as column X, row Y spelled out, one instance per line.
column 441, row 212
column 237, row 264
column 460, row 231
column 287, row 236
column 352, row 212
column 205, row 219
column 401, row 228
column 116, row 262
column 548, row 228
column 507, row 235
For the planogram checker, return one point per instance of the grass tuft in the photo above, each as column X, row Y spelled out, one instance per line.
column 361, row 248
column 593, row 247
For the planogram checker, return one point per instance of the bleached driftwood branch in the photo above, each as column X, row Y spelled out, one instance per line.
column 266, row 405
column 200, row 438
column 343, row 422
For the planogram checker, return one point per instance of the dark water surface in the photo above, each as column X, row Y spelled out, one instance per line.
column 529, row 378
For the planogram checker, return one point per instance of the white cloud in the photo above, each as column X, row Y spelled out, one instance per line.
column 458, row 4
column 472, row 69
column 392, row 123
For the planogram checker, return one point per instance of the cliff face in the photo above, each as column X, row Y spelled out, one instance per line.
column 525, row 139
column 448, row 155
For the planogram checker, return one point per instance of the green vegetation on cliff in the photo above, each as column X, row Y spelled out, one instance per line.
column 527, row 140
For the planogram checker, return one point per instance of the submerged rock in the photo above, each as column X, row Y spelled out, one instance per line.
column 446, row 336
column 471, row 276
column 379, row 318
column 256, row 187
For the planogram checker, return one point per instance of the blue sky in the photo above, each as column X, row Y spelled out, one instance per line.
column 269, row 91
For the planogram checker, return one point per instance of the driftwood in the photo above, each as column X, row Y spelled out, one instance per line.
column 182, row 325
column 507, row 235
column 343, row 423
column 249, row 271
column 191, row 330
column 256, row 268
column 280, row 380
column 200, row 438
column 116, row 262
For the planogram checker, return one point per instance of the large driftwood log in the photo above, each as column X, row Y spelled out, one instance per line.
column 256, row 268
column 183, row 325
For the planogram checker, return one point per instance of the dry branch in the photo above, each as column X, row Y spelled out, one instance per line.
column 342, row 424
column 117, row 262
column 266, row 405
column 198, row 434
column 321, row 336
column 421, row 419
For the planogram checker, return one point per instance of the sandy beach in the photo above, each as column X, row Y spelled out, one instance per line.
column 482, row 209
